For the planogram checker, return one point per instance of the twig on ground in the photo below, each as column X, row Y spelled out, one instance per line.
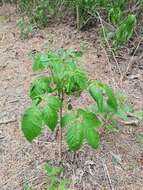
column 108, row 25
column 8, row 121
column 107, row 174
column 131, row 122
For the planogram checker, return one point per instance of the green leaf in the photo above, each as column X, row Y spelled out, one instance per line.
column 138, row 114
column 76, row 81
column 97, row 90
column 121, row 113
column 125, row 31
column 92, row 137
column 111, row 129
column 41, row 61
column 52, row 187
column 27, row 187
column 88, row 119
column 50, row 117
column 68, row 119
column 112, row 102
column 106, row 108
column 75, row 137
column 37, row 65
column 31, row 123
column 40, row 86
column 52, row 170
column 63, row 184
column 81, row 79
column 54, row 102
column 96, row 94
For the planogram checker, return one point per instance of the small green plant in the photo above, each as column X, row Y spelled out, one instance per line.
column 117, row 17
column 54, row 181
column 125, row 30
column 25, row 28
column 50, row 96
column 109, row 116
column 27, row 187
column 40, row 14
column 25, row 5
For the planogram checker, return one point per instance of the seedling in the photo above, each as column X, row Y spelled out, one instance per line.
column 125, row 30
column 25, row 28
column 53, row 181
column 50, row 93
column 27, row 187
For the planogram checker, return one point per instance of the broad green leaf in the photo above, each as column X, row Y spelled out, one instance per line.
column 94, row 108
column 125, row 31
column 106, row 108
column 75, row 137
column 68, row 119
column 39, row 86
column 70, row 86
column 31, row 123
column 81, row 79
column 50, row 117
column 88, row 119
column 92, row 137
column 41, row 61
column 96, row 94
column 97, row 90
column 54, row 102
column 112, row 102
column 122, row 114
column 115, row 14
column 52, row 170
column 38, row 65
column 76, row 81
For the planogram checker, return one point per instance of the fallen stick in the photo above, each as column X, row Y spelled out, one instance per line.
column 8, row 121
column 107, row 174
column 131, row 122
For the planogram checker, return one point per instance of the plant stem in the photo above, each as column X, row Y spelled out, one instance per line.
column 60, row 126
column 77, row 17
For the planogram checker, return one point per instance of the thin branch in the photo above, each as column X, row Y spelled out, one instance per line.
column 60, row 126
column 110, row 67
column 110, row 49
column 108, row 175
column 114, row 57
column 78, row 17
column 131, row 122
column 131, row 60
column 8, row 121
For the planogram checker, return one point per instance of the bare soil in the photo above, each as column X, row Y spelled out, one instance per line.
column 21, row 162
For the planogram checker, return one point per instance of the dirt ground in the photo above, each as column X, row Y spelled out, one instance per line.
column 21, row 162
